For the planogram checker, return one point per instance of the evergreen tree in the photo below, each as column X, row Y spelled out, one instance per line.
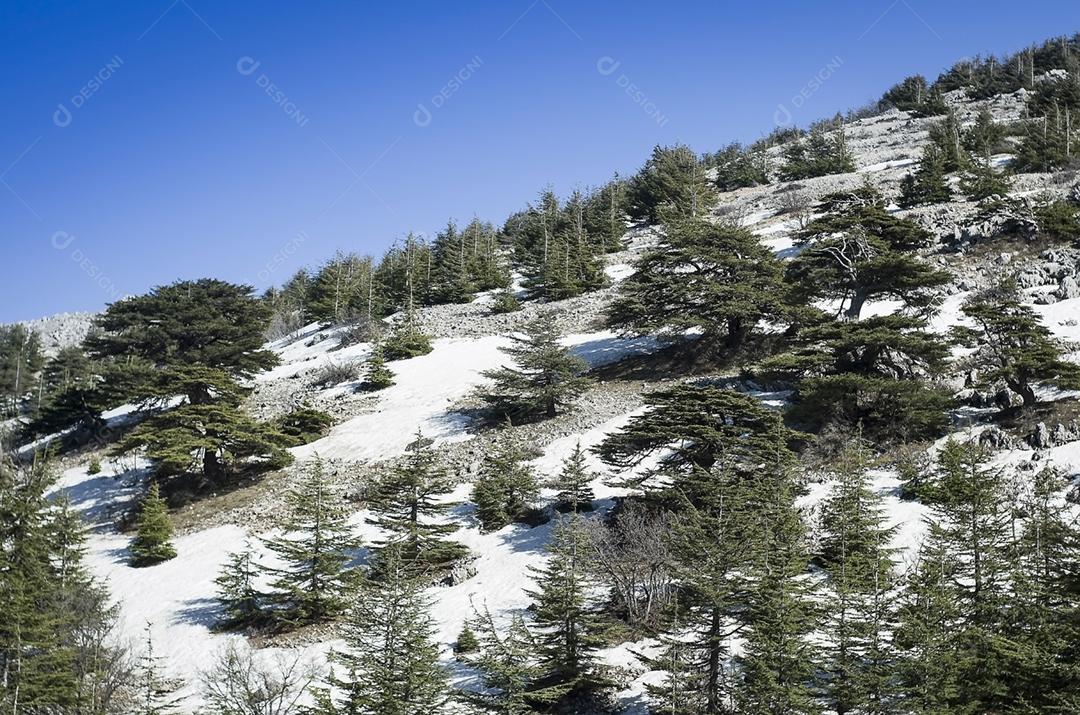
column 406, row 340
column 572, row 481
column 504, row 301
column 671, row 185
column 948, row 137
column 507, row 665
column 505, row 488
column 407, row 504
column 242, row 603
column 1012, row 345
column 823, row 151
column 856, row 555
column 345, row 289
column 568, row 626
column 157, row 693
column 379, row 376
column 737, row 166
column 929, row 184
column 390, row 663
column 313, row 584
column 545, row 377
column 716, row 278
column 857, row 252
column 21, row 360
column 452, row 281
column 467, row 643
column 152, row 543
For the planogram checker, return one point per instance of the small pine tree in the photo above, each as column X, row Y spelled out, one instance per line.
column 390, row 663
column 505, row 488
column 152, row 544
column 407, row 504
column 313, row 584
column 467, row 642
column 507, row 665
column 568, row 626
column 545, row 377
column 573, row 480
column 504, row 301
column 94, row 467
column 241, row 601
column 929, row 184
column 379, row 376
column 157, row 694
column 406, row 341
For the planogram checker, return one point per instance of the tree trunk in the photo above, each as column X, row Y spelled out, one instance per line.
column 854, row 309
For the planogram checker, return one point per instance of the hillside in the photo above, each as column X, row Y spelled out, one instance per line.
column 436, row 394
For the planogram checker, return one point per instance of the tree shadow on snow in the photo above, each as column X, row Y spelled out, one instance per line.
column 200, row 611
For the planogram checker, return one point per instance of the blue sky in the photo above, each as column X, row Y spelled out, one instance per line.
column 149, row 141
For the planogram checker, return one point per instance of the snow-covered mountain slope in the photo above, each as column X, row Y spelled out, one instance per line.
column 176, row 598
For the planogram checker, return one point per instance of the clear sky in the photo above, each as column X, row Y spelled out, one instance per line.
column 148, row 141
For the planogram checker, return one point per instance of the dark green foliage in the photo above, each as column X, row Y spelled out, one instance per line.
column 671, row 185
column 505, row 489
column 1059, row 221
column 572, row 481
column 21, row 360
column 823, row 151
column 152, row 543
column 858, row 252
column 504, row 301
column 928, row 185
column 856, row 554
column 700, row 275
column 947, row 137
column 343, row 289
column 567, row 626
column 213, row 442
column 303, row 425
column 605, row 214
column 406, row 341
column 981, row 181
column 737, row 166
column 464, row 262
column 1012, row 346
column 94, row 467
column 390, row 663
column 914, row 95
column 467, row 643
column 379, row 376
column 313, row 584
column 544, row 379
column 407, row 504
column 242, row 603
column 507, row 666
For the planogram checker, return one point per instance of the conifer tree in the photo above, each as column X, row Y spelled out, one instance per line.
column 823, row 151
column 379, row 376
column 242, row 603
column 152, row 543
column 572, row 481
column 545, row 377
column 929, row 184
column 855, row 553
column 567, row 624
column 406, row 340
column 672, row 185
column 407, row 504
column 700, row 275
column 452, row 281
column 467, row 642
column 505, row 488
column 507, row 665
column 313, row 583
column 390, row 663
column 1012, row 345
column 157, row 693
column 948, row 137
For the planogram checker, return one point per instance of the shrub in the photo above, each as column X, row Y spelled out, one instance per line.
column 1059, row 221
column 504, row 301
column 304, row 425
column 405, row 343
column 335, row 373
column 95, row 466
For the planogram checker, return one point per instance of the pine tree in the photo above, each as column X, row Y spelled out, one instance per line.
column 407, row 504
column 21, row 360
column 1012, row 345
column 507, row 666
column 545, row 376
column 779, row 662
column 390, row 663
column 856, row 555
column 452, row 281
column 406, row 341
column 242, row 603
column 572, row 481
column 700, row 275
column 157, row 693
column 505, row 489
column 929, row 184
column 315, row 547
column 152, row 543
column 467, row 643
column 379, row 376
column 671, row 185
column 568, row 625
